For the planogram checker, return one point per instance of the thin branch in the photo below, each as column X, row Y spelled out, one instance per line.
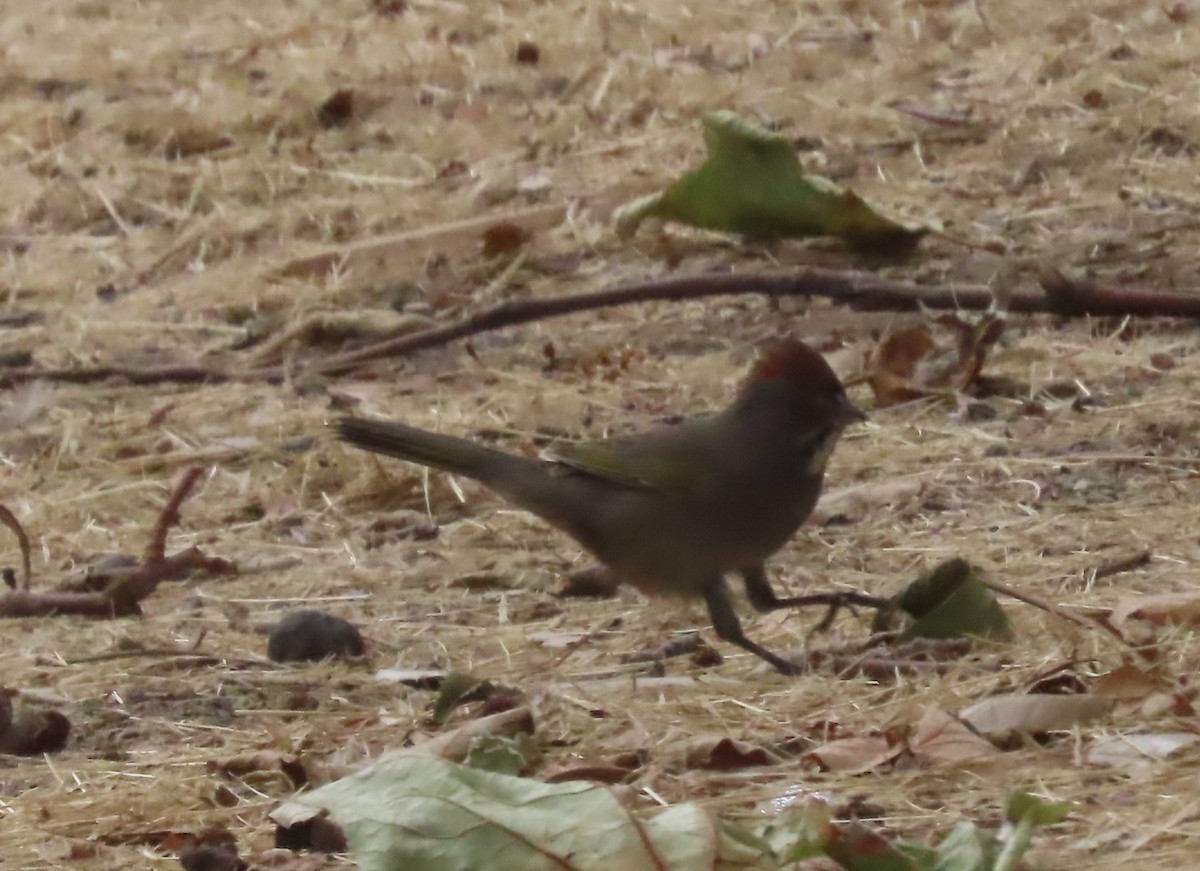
column 1116, row 567
column 156, row 551
column 10, row 520
column 1051, row 608
column 123, row 588
column 169, row 374
column 861, row 291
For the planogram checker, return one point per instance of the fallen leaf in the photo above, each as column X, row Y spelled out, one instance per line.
column 723, row 754
column 1181, row 609
column 942, row 737
column 949, row 601
column 1138, row 751
column 504, row 237
column 262, row 761
column 1034, row 714
column 861, row 848
column 752, row 184
column 409, row 810
column 1035, row 809
column 1128, row 683
column 911, row 363
column 503, row 754
column 859, row 753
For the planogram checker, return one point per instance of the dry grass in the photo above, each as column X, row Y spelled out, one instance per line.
column 161, row 160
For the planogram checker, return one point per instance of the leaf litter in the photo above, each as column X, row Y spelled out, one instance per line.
column 234, row 205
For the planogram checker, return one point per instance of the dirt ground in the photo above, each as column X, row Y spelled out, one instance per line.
column 245, row 184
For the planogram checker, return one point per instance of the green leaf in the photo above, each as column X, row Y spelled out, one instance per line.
column 1015, row 847
column 798, row 833
column 966, row 848
column 951, row 601
column 501, row 754
column 752, row 184
column 1028, row 812
column 414, row 812
column 1024, row 805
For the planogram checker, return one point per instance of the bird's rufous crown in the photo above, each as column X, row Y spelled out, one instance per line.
column 792, row 360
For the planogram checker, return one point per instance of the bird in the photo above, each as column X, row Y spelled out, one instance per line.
column 675, row 509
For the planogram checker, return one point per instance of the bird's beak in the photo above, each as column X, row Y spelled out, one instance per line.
column 848, row 413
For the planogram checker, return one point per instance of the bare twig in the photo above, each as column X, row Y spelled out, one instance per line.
column 10, row 520
column 180, row 657
column 1051, row 608
column 919, row 656
column 157, row 549
column 953, row 118
column 862, row 291
column 126, row 593
column 171, row 374
column 1116, row 567
column 125, row 586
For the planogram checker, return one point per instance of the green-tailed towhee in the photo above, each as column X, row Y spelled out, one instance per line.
column 674, row 509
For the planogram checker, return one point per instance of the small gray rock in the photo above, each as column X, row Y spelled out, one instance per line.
column 307, row 636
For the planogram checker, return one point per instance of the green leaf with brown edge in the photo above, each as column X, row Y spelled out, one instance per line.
column 950, row 601
column 857, row 847
column 418, row 812
column 752, row 184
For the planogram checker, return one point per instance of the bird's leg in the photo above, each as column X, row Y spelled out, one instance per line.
column 727, row 626
column 763, row 598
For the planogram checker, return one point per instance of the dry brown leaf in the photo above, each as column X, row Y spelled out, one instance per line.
column 857, row 753
column 911, row 363
column 1035, row 714
column 722, row 753
column 1138, row 751
column 1181, row 609
column 942, row 737
column 1128, row 683
column 504, row 237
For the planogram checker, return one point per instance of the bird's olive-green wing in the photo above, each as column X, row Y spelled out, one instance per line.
column 671, row 460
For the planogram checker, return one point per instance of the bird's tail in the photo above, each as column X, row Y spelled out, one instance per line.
column 449, row 453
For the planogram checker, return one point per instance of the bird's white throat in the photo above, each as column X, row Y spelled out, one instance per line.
column 821, row 453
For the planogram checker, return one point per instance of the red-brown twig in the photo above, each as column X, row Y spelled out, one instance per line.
column 863, row 291
column 156, row 551
column 123, row 588
column 10, row 520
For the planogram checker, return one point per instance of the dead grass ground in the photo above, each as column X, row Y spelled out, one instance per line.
column 160, row 161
